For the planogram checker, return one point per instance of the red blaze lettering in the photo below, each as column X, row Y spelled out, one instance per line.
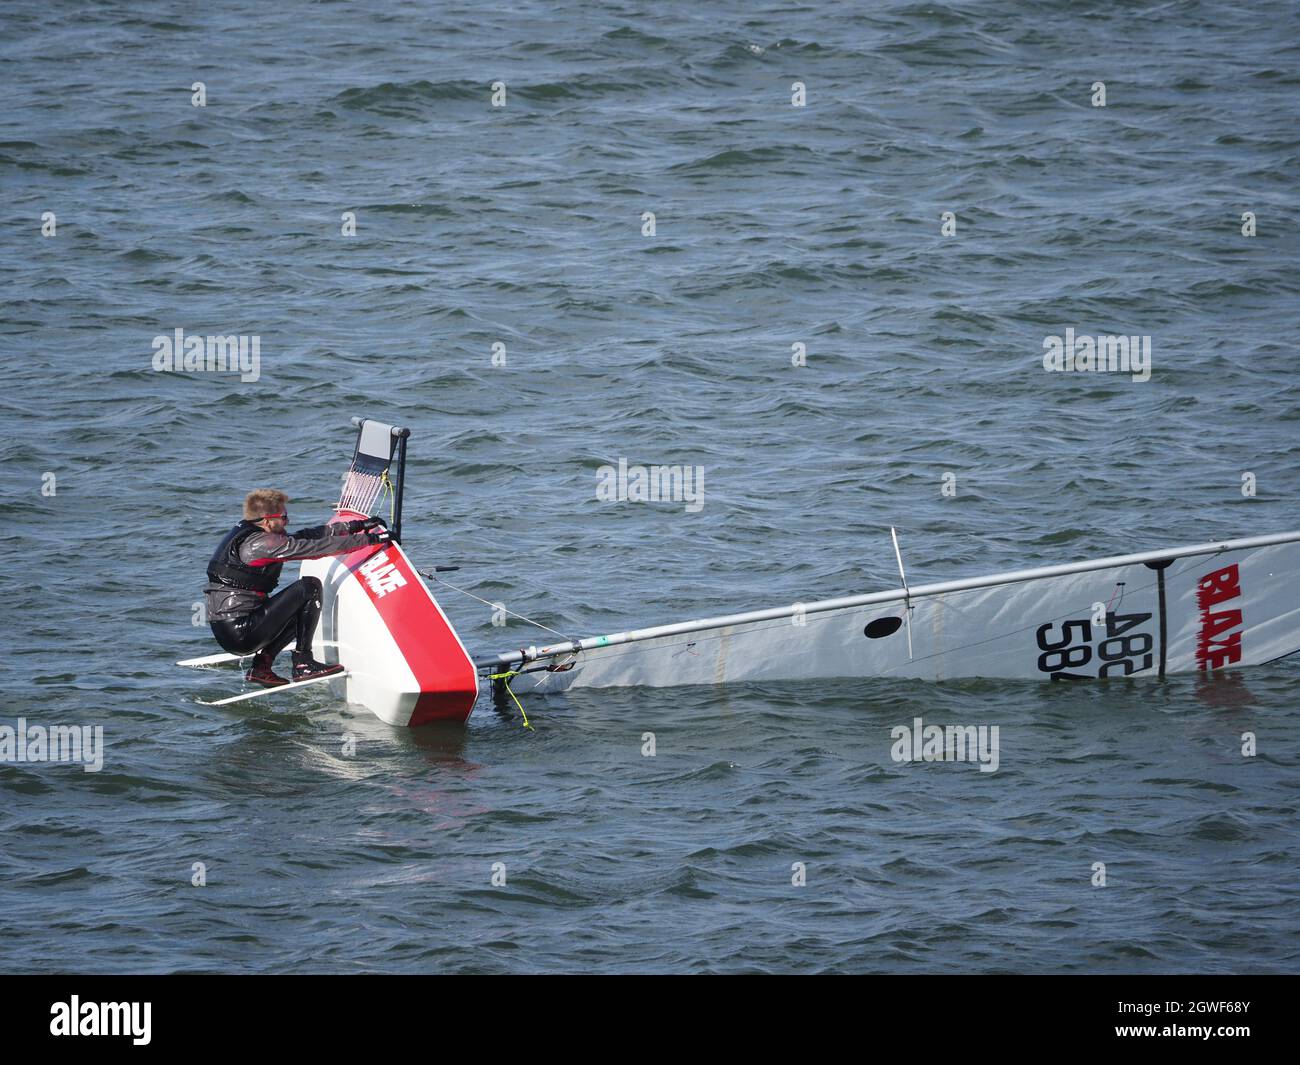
column 1215, row 654
column 1215, row 625
column 1215, row 646
column 1218, row 587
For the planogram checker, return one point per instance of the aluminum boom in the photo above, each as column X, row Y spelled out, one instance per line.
column 531, row 654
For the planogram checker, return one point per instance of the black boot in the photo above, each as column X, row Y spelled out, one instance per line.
column 307, row 668
column 262, row 674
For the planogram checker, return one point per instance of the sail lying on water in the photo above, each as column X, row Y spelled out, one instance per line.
column 1201, row 608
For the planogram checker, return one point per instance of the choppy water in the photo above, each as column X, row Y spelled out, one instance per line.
column 521, row 225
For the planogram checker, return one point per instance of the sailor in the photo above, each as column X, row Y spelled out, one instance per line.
column 245, row 617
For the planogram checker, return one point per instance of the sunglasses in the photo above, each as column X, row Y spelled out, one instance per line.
column 264, row 517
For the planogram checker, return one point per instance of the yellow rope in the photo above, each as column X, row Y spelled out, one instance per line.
column 505, row 677
column 385, row 485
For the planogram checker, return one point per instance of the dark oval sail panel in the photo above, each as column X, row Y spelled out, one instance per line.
column 882, row 627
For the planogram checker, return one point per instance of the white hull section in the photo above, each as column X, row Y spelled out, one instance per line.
column 378, row 676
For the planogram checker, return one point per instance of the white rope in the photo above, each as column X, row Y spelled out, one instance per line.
column 495, row 606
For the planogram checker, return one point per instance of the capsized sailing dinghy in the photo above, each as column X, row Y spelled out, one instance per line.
column 1205, row 608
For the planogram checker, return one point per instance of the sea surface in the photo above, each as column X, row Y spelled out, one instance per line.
column 502, row 295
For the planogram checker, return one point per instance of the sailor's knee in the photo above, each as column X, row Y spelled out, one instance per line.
column 312, row 587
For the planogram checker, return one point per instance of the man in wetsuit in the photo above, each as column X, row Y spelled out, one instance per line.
column 244, row 616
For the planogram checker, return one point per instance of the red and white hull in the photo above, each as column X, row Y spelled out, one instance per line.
column 380, row 621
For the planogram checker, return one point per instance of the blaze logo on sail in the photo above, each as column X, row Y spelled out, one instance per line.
column 1216, row 645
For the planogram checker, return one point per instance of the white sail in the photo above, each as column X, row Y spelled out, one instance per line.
column 1206, row 607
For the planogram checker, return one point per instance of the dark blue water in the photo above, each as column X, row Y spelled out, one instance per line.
column 331, row 842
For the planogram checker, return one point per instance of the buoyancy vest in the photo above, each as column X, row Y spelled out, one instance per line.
column 225, row 566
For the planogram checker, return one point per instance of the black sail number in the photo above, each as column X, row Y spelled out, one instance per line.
column 1120, row 651
column 1059, row 654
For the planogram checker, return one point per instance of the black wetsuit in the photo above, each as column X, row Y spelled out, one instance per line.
column 244, row 616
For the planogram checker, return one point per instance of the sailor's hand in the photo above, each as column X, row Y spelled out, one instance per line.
column 381, row 537
column 371, row 523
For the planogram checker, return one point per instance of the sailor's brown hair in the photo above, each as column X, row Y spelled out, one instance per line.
column 263, row 501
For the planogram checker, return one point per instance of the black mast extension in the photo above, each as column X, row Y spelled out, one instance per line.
column 401, row 435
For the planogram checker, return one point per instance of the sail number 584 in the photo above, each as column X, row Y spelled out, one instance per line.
column 1118, row 652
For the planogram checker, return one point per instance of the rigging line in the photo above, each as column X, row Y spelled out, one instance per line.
column 495, row 606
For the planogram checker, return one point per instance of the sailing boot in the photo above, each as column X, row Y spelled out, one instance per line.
column 307, row 668
column 262, row 674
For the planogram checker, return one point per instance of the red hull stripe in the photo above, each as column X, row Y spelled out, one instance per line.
column 446, row 677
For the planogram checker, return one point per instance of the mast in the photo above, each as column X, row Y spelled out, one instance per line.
column 530, row 654
column 401, row 435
